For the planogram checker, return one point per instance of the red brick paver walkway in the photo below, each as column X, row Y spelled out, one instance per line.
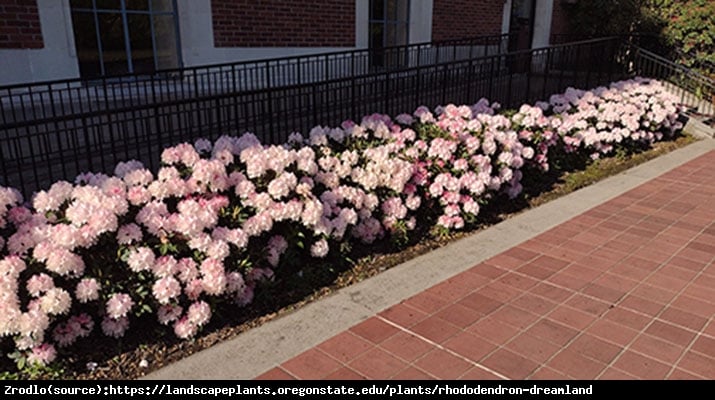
column 623, row 291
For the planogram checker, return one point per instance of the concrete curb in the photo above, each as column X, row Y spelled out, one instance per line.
column 260, row 349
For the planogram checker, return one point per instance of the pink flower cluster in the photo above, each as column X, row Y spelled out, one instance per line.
column 219, row 218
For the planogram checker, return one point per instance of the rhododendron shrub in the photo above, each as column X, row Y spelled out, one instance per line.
column 218, row 218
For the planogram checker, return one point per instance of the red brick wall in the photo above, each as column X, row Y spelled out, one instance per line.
column 20, row 25
column 559, row 21
column 283, row 23
column 454, row 19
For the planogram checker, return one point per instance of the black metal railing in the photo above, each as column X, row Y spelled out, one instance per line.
column 81, row 134
column 696, row 91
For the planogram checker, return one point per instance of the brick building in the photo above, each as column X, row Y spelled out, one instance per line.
column 57, row 39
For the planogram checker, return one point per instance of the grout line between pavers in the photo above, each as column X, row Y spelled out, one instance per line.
column 439, row 346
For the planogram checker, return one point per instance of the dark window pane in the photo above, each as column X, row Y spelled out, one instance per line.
column 390, row 34
column 162, row 5
column 376, row 35
column 85, row 39
column 377, row 9
column 109, row 4
column 140, row 42
column 142, row 5
column 403, row 10
column 167, row 55
column 391, row 9
column 114, row 53
column 81, row 4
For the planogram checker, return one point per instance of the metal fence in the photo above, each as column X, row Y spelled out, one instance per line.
column 696, row 91
column 57, row 130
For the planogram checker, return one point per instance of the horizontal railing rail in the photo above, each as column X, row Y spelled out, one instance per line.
column 36, row 150
column 695, row 90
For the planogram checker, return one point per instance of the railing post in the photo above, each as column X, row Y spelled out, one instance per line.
column 269, row 99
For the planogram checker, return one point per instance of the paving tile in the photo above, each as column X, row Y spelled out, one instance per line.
column 627, row 317
column 413, row 374
column 612, row 332
column 506, row 262
column 535, row 271
column 345, row 346
column 479, row 374
column 552, row 331
column 533, row 348
column 377, row 364
column 657, row 348
column 521, row 253
column 510, row 364
column 435, row 329
column 345, row 374
column 519, row 281
column 459, row 315
column 578, row 270
column 592, row 347
column 487, row 270
column 588, row 304
column 426, row 302
column 312, row 364
column 548, row 374
column 500, row 292
column 695, row 306
column 451, row 290
column 551, row 292
column 618, row 283
column 615, row 374
column 374, row 330
column 567, row 281
column 514, row 316
column 442, row 364
column 670, row 333
column 406, row 346
column 640, row 366
column 683, row 318
column 480, row 303
column 654, row 293
column 641, row 305
column 699, row 292
column 704, row 345
column 470, row 346
column 275, row 374
column 603, row 293
column 571, row 317
column 575, row 365
column 403, row 315
column 494, row 331
column 680, row 375
column 535, row 304
column 666, row 282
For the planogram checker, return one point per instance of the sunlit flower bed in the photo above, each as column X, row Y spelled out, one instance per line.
column 219, row 218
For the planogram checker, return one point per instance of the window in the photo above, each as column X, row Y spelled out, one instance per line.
column 389, row 26
column 124, row 36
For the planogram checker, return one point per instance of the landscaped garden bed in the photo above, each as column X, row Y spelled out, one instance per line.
column 100, row 275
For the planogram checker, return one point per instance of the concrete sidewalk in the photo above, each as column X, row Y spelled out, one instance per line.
column 612, row 281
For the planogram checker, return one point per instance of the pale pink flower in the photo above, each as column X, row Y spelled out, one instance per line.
column 184, row 329
column 166, row 289
column 199, row 313
column 115, row 327
column 39, row 284
column 87, row 290
column 119, row 305
column 168, row 313
column 43, row 354
column 320, row 248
